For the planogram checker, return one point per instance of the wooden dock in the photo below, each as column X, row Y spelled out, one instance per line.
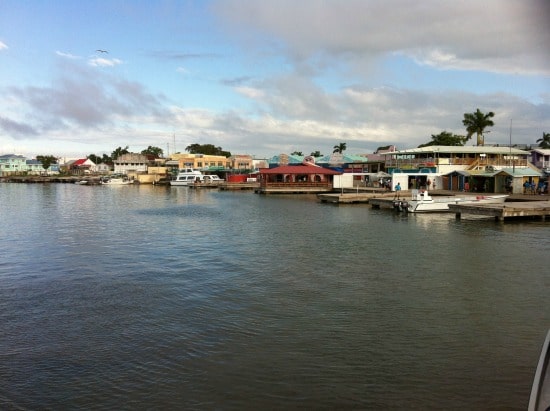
column 354, row 198
column 514, row 209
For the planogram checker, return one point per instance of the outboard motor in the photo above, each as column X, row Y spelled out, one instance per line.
column 399, row 205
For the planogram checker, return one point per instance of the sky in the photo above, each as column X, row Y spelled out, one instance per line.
column 265, row 77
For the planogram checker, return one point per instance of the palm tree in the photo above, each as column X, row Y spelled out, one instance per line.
column 476, row 123
column 339, row 148
column 544, row 142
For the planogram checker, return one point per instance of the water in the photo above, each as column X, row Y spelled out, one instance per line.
column 172, row 298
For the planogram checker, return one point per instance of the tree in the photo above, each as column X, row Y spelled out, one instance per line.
column 339, row 148
column 544, row 142
column 476, row 123
column 445, row 138
column 94, row 158
column 156, row 151
column 47, row 161
column 118, row 152
column 296, row 153
column 208, row 149
column 316, row 153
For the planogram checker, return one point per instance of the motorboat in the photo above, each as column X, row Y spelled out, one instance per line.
column 116, row 180
column 421, row 201
column 81, row 182
column 187, row 177
column 540, row 391
column 210, row 180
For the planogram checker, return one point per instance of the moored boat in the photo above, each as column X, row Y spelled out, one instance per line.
column 540, row 392
column 187, row 177
column 116, row 180
column 422, row 201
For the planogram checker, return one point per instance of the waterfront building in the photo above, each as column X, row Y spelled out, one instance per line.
column 131, row 163
column 481, row 168
column 296, row 179
column 203, row 162
column 12, row 164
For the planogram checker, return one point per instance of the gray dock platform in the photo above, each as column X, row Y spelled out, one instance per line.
column 514, row 209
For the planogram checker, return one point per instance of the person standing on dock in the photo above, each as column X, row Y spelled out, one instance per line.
column 397, row 190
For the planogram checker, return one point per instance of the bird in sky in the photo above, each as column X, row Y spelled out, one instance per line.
column 102, row 51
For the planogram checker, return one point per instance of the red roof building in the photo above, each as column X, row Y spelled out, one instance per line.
column 296, row 179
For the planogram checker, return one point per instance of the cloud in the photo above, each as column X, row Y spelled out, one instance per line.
column 173, row 55
column 491, row 36
column 3, row 46
column 67, row 55
column 82, row 99
column 104, row 62
column 15, row 128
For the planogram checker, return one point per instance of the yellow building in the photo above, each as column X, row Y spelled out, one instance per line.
column 201, row 161
column 210, row 162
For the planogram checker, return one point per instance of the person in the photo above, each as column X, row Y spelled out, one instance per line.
column 466, row 186
column 397, row 189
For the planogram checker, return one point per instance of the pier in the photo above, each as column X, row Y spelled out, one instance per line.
column 513, row 209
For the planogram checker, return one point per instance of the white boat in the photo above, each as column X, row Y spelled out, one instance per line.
column 540, row 391
column 187, row 177
column 81, row 182
column 116, row 180
column 209, row 180
column 422, row 201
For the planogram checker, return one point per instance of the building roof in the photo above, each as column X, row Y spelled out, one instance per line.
column 80, row 162
column 302, row 169
column 341, row 158
column 543, row 151
column 461, row 150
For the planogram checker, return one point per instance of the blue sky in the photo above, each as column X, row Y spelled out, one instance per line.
column 267, row 77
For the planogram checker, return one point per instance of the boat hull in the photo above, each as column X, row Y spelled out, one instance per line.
column 540, row 392
column 441, row 204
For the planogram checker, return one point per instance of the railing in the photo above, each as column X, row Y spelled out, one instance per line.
column 301, row 184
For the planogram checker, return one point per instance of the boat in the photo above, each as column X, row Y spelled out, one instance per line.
column 116, row 180
column 540, row 391
column 209, row 180
column 187, row 177
column 81, row 182
column 421, row 201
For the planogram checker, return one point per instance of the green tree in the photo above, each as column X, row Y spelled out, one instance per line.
column 118, row 152
column 544, row 142
column 476, row 123
column 47, row 161
column 156, row 151
column 316, row 153
column 208, row 149
column 445, row 138
column 94, row 158
column 339, row 148
column 296, row 153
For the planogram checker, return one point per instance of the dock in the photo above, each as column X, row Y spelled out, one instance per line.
column 238, row 186
column 513, row 209
column 355, row 196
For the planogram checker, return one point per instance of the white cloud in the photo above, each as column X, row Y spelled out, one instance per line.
column 67, row 55
column 103, row 62
column 3, row 46
column 491, row 36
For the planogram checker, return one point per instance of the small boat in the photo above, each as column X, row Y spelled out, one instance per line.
column 116, row 180
column 540, row 392
column 81, row 182
column 422, row 202
column 209, row 180
column 187, row 177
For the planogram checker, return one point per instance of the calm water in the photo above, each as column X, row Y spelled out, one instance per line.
column 161, row 298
